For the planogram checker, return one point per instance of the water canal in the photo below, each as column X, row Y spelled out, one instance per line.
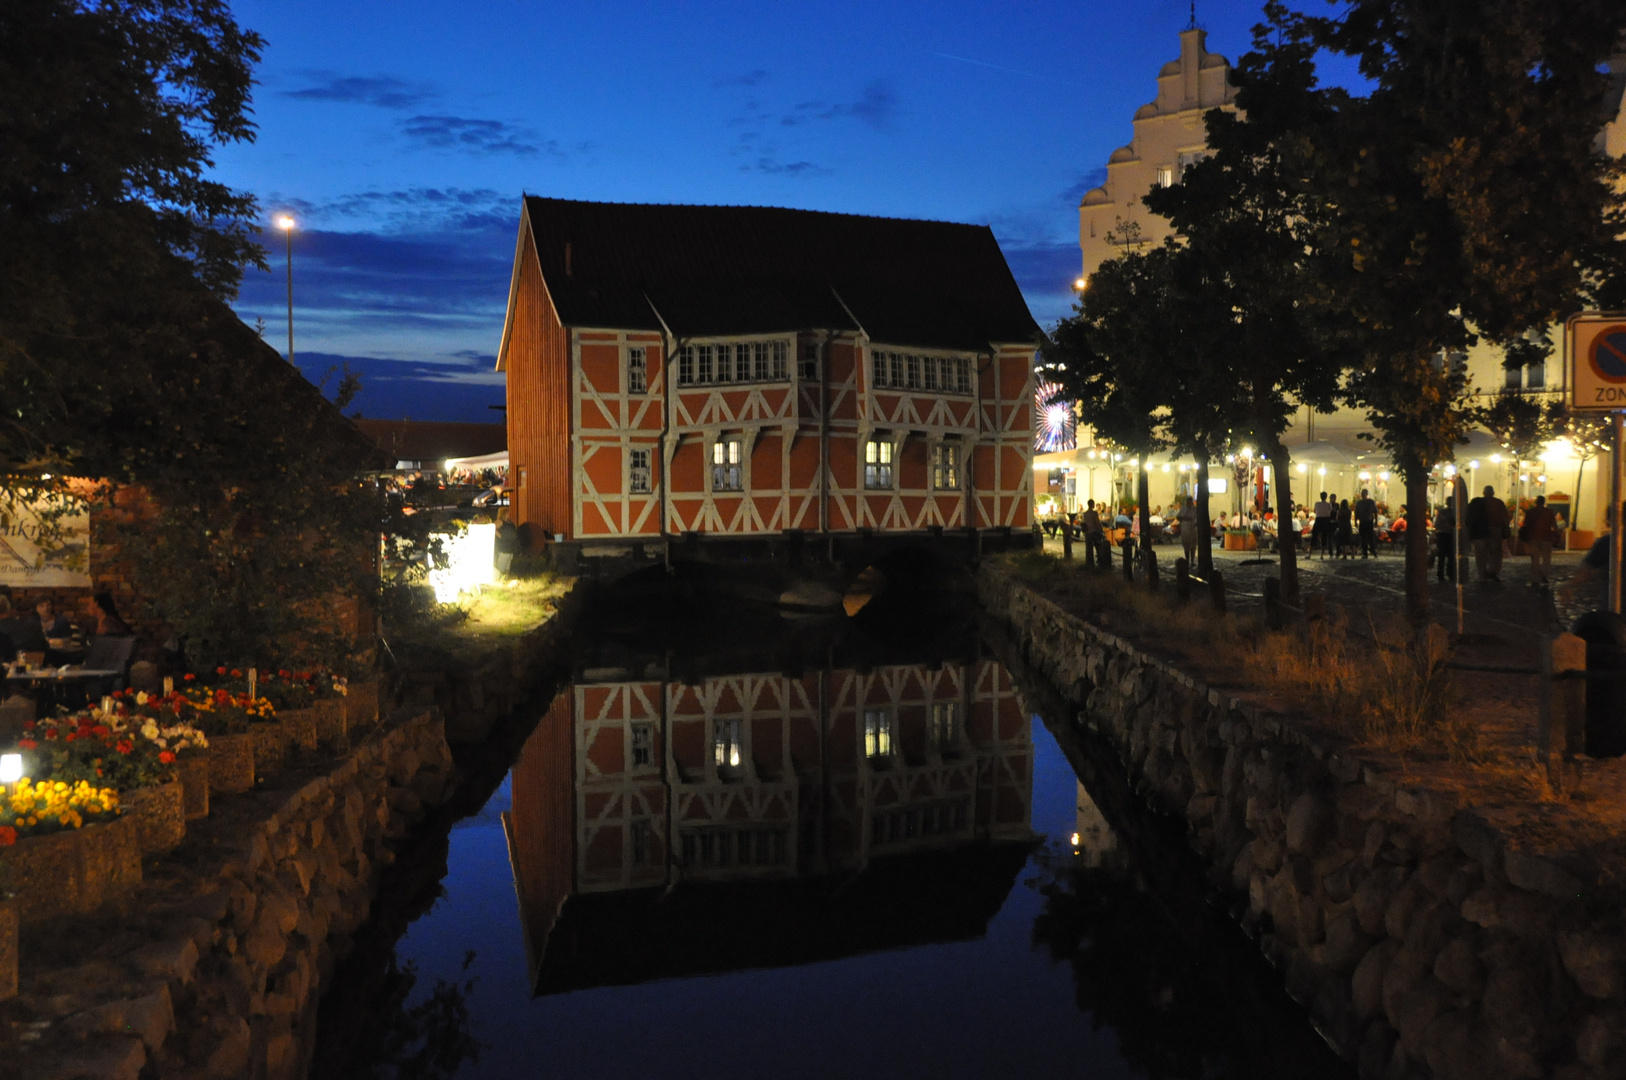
column 749, row 845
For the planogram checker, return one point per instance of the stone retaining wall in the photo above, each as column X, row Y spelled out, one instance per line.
column 214, row 966
column 1422, row 941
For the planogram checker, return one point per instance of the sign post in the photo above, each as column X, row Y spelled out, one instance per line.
column 1595, row 363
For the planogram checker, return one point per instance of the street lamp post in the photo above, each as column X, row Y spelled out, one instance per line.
column 286, row 224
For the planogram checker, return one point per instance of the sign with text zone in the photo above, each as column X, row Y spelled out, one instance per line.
column 1595, row 351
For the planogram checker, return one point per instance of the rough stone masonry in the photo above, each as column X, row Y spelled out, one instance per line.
column 1421, row 940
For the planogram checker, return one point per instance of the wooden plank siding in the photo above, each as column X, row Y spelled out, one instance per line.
column 536, row 357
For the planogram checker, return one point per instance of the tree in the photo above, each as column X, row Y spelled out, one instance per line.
column 111, row 110
column 1246, row 261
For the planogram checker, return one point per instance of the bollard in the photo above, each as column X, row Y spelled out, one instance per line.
column 1066, row 541
column 1561, row 721
column 1129, row 561
column 1273, row 603
column 1216, row 591
column 1605, row 636
column 1151, row 569
column 1182, row 581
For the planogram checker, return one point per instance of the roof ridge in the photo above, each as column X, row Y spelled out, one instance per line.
column 753, row 206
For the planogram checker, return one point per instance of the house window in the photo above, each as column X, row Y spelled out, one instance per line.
column 779, row 355
column 895, row 375
column 946, row 467
column 727, row 751
column 725, row 363
column 686, row 366
column 643, row 743
column 640, row 842
column 912, row 367
column 761, row 360
column 809, row 368
column 877, row 733
column 637, row 371
column 962, row 375
column 638, row 472
column 929, row 365
column 1165, row 176
column 725, row 465
column 1536, row 376
column 703, row 355
column 878, row 464
column 1511, row 378
column 877, row 368
column 742, row 363
column 946, row 722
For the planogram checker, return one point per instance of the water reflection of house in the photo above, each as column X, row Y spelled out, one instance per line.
column 1093, row 839
column 808, row 807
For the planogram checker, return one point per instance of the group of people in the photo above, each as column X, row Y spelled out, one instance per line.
column 1488, row 528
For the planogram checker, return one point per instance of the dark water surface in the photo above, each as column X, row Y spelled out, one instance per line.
column 811, row 851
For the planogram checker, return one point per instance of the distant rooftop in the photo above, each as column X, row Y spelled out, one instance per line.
column 433, row 440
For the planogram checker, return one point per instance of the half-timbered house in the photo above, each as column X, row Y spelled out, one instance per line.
column 748, row 372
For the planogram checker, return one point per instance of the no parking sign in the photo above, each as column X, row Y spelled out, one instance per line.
column 1595, row 347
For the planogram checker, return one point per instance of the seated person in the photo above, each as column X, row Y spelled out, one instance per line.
column 108, row 622
column 23, row 631
column 51, row 624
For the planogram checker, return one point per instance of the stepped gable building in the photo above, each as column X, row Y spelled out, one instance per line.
column 1169, row 135
column 747, row 372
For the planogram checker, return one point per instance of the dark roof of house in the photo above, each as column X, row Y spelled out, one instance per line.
column 431, row 440
column 714, row 270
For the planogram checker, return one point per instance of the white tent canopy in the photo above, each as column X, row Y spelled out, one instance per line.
column 499, row 460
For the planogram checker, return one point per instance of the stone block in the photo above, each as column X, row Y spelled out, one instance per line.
column 1458, row 967
column 8, row 952
column 160, row 816
column 174, row 960
column 231, row 764
column 1593, row 961
column 1307, row 820
column 105, row 1059
column 149, row 1018
column 1538, row 875
column 1366, row 986
column 229, row 1056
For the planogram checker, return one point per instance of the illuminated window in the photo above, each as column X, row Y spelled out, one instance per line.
column 703, row 355
column 808, row 371
column 878, row 464
column 638, row 472
column 637, row 371
column 946, row 723
column 930, row 365
column 643, row 744
column 946, row 467
column 727, row 750
column 912, row 369
column 877, row 368
column 877, row 733
column 725, row 465
column 686, row 366
column 1165, row 176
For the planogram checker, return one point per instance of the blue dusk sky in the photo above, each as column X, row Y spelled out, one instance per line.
column 402, row 135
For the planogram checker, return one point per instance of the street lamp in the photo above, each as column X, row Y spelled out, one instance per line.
column 286, row 224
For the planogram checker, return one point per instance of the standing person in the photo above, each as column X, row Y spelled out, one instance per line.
column 1344, row 540
column 1366, row 516
column 1487, row 528
column 1090, row 523
column 1445, row 541
column 1321, row 531
column 1188, row 520
column 1539, row 531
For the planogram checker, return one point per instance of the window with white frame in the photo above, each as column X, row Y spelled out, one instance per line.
column 638, row 472
column 1165, row 176
column 808, row 370
column 946, row 467
column 637, row 371
column 704, row 358
column 725, row 464
column 1512, row 378
column 946, row 723
column 725, row 363
column 878, row 465
column 910, row 371
column 895, row 372
column 742, row 363
column 877, row 368
column 929, row 372
column 962, row 375
column 686, row 366
column 1536, row 376
column 877, row 733
column 727, row 749
column 643, row 745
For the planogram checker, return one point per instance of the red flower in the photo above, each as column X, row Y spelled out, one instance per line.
column 27, row 744
column 124, row 746
column 236, row 674
column 28, row 725
column 165, row 756
column 50, row 733
column 101, row 730
column 8, row 836
column 220, row 671
column 188, row 677
column 69, row 737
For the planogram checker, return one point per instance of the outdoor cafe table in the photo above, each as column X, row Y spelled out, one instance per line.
column 61, row 682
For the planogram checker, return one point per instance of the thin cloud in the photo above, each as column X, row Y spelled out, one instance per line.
column 475, row 136
column 1085, row 184
column 379, row 91
column 775, row 167
column 750, row 78
column 875, row 107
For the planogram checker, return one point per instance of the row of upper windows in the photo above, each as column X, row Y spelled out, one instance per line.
column 769, row 361
column 727, row 467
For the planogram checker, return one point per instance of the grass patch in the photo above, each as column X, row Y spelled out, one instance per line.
column 499, row 613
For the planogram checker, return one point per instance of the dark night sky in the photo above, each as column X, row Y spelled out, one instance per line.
column 402, row 134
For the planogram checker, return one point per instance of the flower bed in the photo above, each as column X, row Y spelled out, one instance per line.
column 64, row 847
column 160, row 816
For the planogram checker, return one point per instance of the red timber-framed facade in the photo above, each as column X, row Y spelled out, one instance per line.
column 744, row 373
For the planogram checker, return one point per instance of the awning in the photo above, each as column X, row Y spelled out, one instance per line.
column 499, row 460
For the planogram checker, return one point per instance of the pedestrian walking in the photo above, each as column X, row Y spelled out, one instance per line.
column 1445, row 541
column 1089, row 522
column 1366, row 516
column 1539, row 531
column 1487, row 530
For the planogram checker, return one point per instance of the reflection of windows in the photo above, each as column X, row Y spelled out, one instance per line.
column 638, row 472
column 877, row 732
column 809, row 369
column 643, row 743
column 946, row 467
column 637, row 371
column 946, row 722
column 902, row 824
column 878, row 465
column 756, row 845
column 727, row 752
column 640, row 843
column 725, row 465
